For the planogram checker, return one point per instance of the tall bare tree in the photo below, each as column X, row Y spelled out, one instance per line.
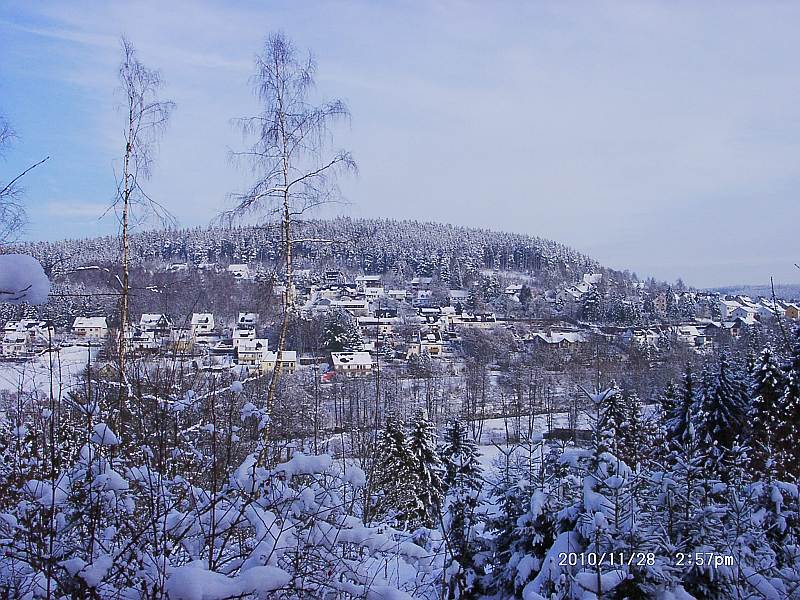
column 12, row 211
column 146, row 116
column 291, row 158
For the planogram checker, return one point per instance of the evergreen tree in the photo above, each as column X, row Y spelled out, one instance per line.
column 463, row 482
column 340, row 332
column 636, row 434
column 788, row 434
column 765, row 410
column 524, row 528
column 396, row 482
column 721, row 412
column 591, row 305
column 427, row 471
column 679, row 420
column 459, row 455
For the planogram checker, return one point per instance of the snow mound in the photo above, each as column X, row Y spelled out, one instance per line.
column 22, row 280
column 102, row 435
column 193, row 582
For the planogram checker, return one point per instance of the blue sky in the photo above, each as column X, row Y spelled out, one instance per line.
column 658, row 137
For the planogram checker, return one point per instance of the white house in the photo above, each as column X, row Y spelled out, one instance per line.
column 457, row 297
column 93, row 328
column 354, row 307
column 747, row 314
column 14, row 343
column 288, row 360
column 202, row 323
column 399, row 295
column 352, row 364
column 242, row 335
column 158, row 324
column 239, row 271
column 371, row 293
column 251, row 352
column 726, row 308
column 247, row 320
column 592, row 278
column 365, row 282
column 422, row 298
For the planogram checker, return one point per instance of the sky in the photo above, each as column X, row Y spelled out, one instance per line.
column 659, row 137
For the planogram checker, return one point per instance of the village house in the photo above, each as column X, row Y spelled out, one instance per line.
column 372, row 326
column 203, row 341
column 202, row 323
column 333, row 276
column 642, row 337
column 557, row 339
column 364, row 282
column 250, row 353
column 14, row 343
column 241, row 335
column 38, row 333
column 457, row 297
column 352, row 364
column 398, row 295
column 427, row 340
column 247, row 320
column 726, row 308
column 240, row 272
column 91, row 328
column 694, row 336
column 354, row 307
column 748, row 314
column 480, row 320
column 288, row 361
column 158, row 324
column 421, row 283
column 422, row 298
column 139, row 340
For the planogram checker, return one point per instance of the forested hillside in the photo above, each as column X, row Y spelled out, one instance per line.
column 367, row 245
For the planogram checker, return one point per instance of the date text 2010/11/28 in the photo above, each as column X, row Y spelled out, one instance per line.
column 682, row 559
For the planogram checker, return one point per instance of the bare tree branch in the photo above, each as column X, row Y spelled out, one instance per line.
column 289, row 158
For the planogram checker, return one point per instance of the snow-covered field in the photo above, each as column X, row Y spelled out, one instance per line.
column 35, row 375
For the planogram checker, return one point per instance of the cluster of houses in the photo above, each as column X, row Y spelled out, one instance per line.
column 393, row 323
column 749, row 310
column 25, row 337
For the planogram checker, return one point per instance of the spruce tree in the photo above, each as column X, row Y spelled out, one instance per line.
column 765, row 410
column 427, row 469
column 680, row 419
column 340, row 332
column 722, row 410
column 463, row 482
column 395, row 475
column 788, row 445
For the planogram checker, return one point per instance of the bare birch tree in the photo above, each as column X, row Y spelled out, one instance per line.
column 146, row 116
column 12, row 211
column 291, row 159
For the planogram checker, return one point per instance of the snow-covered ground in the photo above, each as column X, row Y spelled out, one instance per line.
column 34, row 375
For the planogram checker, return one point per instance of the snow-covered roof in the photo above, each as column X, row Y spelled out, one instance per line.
column 556, row 337
column 351, row 358
column 253, row 345
column 202, row 318
column 285, row 356
column 152, row 319
column 89, row 323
